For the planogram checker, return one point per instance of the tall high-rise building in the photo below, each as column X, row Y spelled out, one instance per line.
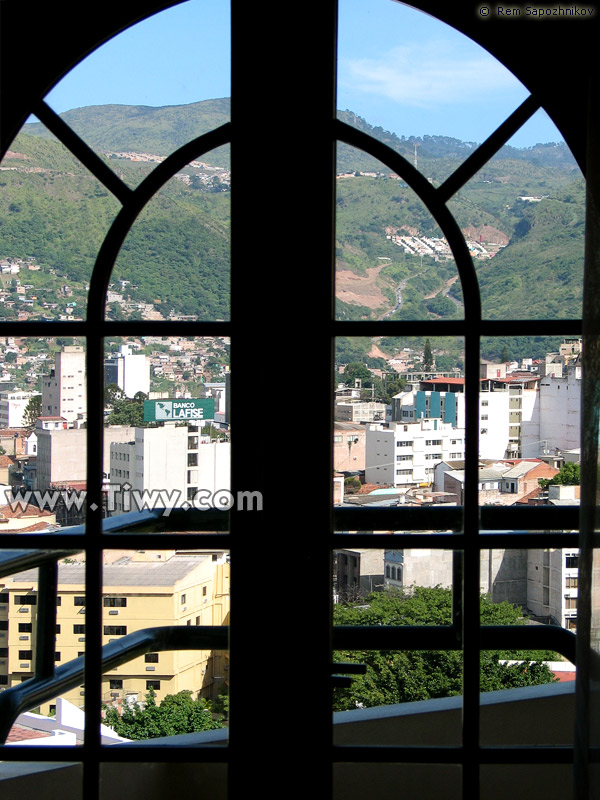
column 129, row 371
column 63, row 390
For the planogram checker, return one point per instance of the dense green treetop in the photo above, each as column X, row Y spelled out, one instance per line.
column 176, row 714
column 404, row 676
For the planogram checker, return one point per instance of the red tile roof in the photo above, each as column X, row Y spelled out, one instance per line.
column 20, row 734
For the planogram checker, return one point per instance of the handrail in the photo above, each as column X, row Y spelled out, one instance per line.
column 37, row 690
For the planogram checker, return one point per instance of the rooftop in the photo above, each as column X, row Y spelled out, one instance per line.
column 147, row 573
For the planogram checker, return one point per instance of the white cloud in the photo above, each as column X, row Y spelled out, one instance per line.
column 434, row 73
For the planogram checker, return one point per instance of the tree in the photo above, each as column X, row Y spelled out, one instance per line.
column 112, row 392
column 127, row 412
column 505, row 355
column 358, row 370
column 427, row 356
column 568, row 475
column 404, row 676
column 178, row 713
column 33, row 410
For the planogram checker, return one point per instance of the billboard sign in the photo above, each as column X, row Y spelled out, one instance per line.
column 179, row 410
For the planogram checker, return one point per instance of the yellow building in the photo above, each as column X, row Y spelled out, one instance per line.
column 141, row 590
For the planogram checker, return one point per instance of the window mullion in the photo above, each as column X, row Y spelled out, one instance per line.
column 281, row 309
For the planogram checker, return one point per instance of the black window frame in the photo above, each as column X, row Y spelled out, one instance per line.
column 250, row 65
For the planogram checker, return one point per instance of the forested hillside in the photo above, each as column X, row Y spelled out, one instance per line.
column 524, row 214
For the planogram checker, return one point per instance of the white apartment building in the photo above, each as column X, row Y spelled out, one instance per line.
column 175, row 460
column 405, row 454
column 12, row 407
column 509, row 417
column 63, row 390
column 521, row 415
column 560, row 409
column 130, row 372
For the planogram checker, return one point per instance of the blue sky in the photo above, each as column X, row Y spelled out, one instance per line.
column 397, row 67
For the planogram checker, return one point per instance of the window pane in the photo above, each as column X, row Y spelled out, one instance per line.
column 22, row 613
column 168, row 587
column 399, row 418
column 169, row 396
column 530, row 402
column 43, row 418
column 142, row 94
column 392, row 260
column 419, row 85
column 174, row 263
column 55, row 215
column 531, row 202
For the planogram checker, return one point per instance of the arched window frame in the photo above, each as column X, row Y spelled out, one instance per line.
column 321, row 314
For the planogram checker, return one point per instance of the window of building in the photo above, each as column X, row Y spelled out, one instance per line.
column 115, row 683
column 151, row 658
column 114, row 602
column 115, row 630
column 25, row 655
column 152, row 685
column 79, row 601
column 79, row 629
column 25, row 599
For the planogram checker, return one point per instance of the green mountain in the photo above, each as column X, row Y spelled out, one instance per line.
column 145, row 129
column 175, row 261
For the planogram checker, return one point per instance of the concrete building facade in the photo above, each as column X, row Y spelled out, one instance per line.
column 175, row 460
column 139, row 592
column 12, row 407
column 63, row 390
column 560, row 409
column 349, row 440
column 61, row 453
column 129, row 371
column 406, row 454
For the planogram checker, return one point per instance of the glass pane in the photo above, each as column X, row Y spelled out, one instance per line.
column 167, row 434
column 55, row 215
column 156, row 776
column 530, row 202
column 398, row 415
column 174, row 263
column 392, row 260
column 43, row 416
column 530, row 402
column 28, row 625
column 419, row 85
column 541, row 584
column 161, row 691
column 144, row 94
